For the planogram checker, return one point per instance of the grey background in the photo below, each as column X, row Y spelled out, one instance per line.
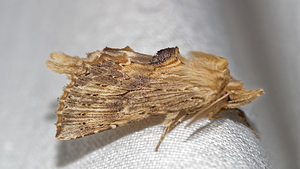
column 260, row 38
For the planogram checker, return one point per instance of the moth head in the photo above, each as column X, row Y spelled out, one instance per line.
column 238, row 95
column 211, row 71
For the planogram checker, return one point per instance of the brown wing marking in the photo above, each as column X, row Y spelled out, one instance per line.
column 115, row 87
column 91, row 102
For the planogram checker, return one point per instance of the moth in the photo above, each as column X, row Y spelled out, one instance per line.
column 113, row 87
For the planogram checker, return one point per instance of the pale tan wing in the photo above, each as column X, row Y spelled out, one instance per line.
column 208, row 71
column 211, row 73
column 109, row 90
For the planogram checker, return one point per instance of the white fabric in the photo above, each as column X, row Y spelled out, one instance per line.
column 260, row 39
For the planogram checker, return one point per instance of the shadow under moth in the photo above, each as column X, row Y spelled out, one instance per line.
column 113, row 87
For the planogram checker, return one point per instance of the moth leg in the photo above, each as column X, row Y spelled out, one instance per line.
column 177, row 122
column 161, row 138
column 169, row 121
column 211, row 109
column 211, row 116
column 243, row 118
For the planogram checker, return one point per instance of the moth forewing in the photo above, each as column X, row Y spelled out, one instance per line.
column 114, row 87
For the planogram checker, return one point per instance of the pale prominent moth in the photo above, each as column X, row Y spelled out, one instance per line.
column 114, row 87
